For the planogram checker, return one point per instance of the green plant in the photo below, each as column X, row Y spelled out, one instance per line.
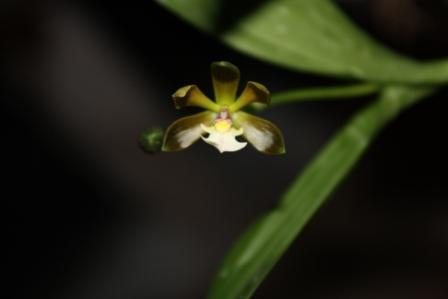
column 310, row 36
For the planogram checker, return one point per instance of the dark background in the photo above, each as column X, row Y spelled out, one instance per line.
column 88, row 215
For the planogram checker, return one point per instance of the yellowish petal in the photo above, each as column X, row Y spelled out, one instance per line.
column 253, row 93
column 185, row 131
column 191, row 95
column 262, row 134
column 225, row 77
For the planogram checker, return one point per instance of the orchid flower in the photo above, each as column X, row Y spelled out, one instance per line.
column 223, row 121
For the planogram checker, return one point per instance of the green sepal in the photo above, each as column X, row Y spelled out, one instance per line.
column 254, row 92
column 225, row 77
column 191, row 95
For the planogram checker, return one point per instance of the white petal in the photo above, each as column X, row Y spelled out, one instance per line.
column 185, row 131
column 224, row 141
column 187, row 137
column 262, row 134
column 260, row 137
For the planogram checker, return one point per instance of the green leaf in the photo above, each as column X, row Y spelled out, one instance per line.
column 262, row 245
column 305, row 35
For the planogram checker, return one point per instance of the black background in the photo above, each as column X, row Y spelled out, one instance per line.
column 89, row 215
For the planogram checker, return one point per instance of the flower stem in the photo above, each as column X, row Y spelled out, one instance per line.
column 320, row 93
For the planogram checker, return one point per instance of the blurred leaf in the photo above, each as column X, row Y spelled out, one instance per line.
column 261, row 246
column 305, row 35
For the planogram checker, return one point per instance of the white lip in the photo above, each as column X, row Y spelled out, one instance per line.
column 224, row 141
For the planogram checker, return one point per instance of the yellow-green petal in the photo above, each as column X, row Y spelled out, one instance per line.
column 191, row 95
column 262, row 134
column 225, row 77
column 253, row 93
column 185, row 131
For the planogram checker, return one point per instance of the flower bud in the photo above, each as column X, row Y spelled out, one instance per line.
column 151, row 139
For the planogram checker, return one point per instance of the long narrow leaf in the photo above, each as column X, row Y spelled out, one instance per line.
column 257, row 251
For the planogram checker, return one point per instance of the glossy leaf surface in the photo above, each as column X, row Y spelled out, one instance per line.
column 305, row 35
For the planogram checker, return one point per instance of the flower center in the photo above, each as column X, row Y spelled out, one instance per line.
column 223, row 122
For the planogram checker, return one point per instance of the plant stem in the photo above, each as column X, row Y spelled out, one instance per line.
column 321, row 93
